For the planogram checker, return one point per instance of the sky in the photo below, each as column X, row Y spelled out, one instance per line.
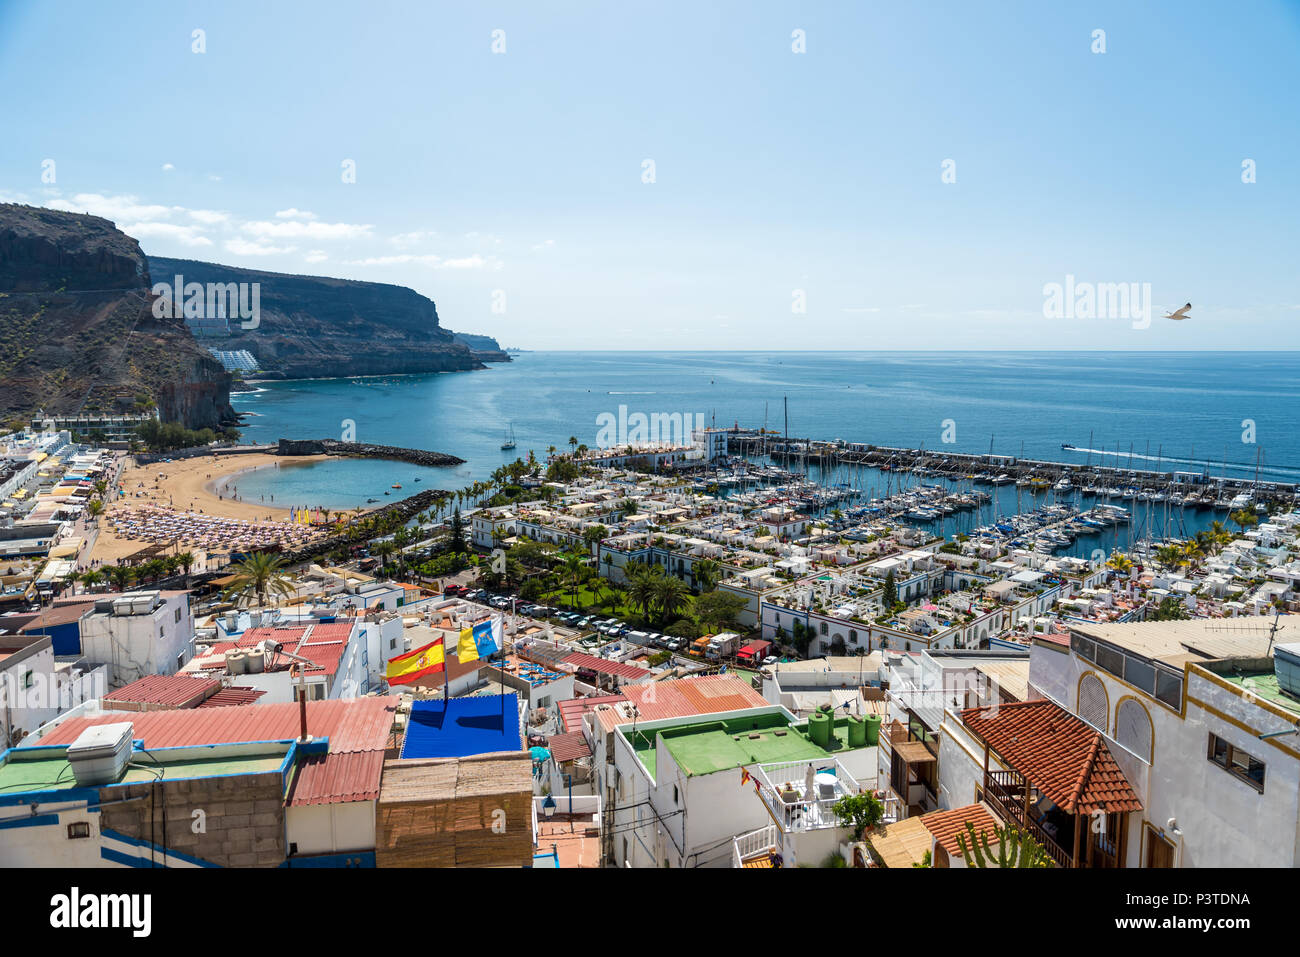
column 753, row 175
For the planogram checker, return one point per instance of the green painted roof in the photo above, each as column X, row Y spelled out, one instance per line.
column 709, row 746
column 50, row 770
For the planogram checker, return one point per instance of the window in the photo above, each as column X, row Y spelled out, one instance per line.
column 178, row 616
column 823, row 624
column 392, row 644
column 1111, row 660
column 1093, row 703
column 1169, row 689
column 78, row 829
column 28, row 678
column 1237, row 762
column 1133, row 728
column 180, row 661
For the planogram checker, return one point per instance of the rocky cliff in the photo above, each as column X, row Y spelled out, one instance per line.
column 77, row 332
column 318, row 327
column 485, row 348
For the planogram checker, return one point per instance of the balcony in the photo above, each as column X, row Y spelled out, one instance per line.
column 1018, row 802
column 756, row 849
column 801, row 795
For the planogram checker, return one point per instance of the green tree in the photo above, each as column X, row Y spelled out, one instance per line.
column 1244, row 518
column 890, row 596
column 861, row 812
column 457, row 532
column 707, row 573
column 670, row 594
column 716, row 610
column 1171, row 609
column 259, row 574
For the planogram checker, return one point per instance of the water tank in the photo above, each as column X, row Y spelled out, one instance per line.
column 873, row 730
column 254, row 619
column 1286, row 665
column 857, row 732
column 819, row 728
column 255, row 660
column 237, row 662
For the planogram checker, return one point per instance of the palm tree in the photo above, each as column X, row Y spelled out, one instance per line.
column 119, row 575
column 91, row 578
column 1243, row 517
column 707, row 572
column 383, row 550
column 1120, row 563
column 670, row 595
column 186, row 561
column 573, row 570
column 259, row 574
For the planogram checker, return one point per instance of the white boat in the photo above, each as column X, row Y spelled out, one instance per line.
column 509, row 442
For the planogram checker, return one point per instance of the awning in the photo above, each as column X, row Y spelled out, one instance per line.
column 914, row 752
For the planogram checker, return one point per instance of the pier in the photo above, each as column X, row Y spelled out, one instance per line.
column 1003, row 469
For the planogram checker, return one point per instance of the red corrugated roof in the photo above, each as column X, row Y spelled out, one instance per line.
column 571, row 711
column 228, row 697
column 335, row 778
column 567, row 747
column 1064, row 757
column 176, row 691
column 352, row 724
column 604, row 666
column 357, row 729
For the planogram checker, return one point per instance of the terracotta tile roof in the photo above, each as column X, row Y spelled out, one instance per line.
column 705, row 694
column 567, row 747
column 946, row 825
column 1058, row 753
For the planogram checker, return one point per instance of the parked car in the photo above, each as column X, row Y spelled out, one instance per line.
column 770, row 660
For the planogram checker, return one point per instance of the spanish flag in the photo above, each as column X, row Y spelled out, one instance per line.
column 414, row 665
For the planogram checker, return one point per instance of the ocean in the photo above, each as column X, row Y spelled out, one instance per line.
column 1230, row 413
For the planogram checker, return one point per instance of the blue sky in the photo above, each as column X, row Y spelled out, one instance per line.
column 521, row 172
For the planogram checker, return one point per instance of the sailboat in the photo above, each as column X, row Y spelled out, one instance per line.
column 509, row 443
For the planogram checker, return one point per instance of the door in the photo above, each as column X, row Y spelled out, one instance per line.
column 1160, row 852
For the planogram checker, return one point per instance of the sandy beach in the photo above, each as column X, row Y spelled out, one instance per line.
column 206, row 485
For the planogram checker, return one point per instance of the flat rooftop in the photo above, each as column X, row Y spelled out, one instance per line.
column 40, row 769
column 709, row 746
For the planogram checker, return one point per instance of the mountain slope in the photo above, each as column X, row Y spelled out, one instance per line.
column 77, row 332
column 318, row 327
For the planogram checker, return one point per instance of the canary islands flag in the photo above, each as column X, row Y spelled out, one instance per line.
column 476, row 642
column 414, row 665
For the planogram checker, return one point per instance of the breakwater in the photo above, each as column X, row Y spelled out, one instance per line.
column 365, row 450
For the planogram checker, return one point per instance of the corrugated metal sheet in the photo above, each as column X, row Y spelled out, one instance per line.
column 354, row 724
column 174, row 691
column 336, row 778
column 227, row 697
column 604, row 666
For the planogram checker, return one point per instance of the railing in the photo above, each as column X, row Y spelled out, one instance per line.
column 784, row 790
column 755, row 842
column 1006, row 792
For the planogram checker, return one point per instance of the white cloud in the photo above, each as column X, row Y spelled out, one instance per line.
column 467, row 262
column 293, row 229
column 243, row 247
column 292, row 213
column 316, row 256
column 112, row 207
column 548, row 244
column 168, row 167
column 403, row 240
column 185, row 235
column 209, row 217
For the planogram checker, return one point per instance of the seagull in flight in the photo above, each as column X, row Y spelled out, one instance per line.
column 1179, row 313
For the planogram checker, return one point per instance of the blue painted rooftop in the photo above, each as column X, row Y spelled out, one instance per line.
column 462, row 726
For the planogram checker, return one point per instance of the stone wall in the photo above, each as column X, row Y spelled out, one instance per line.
column 243, row 817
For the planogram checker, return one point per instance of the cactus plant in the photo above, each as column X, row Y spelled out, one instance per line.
column 1014, row 848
